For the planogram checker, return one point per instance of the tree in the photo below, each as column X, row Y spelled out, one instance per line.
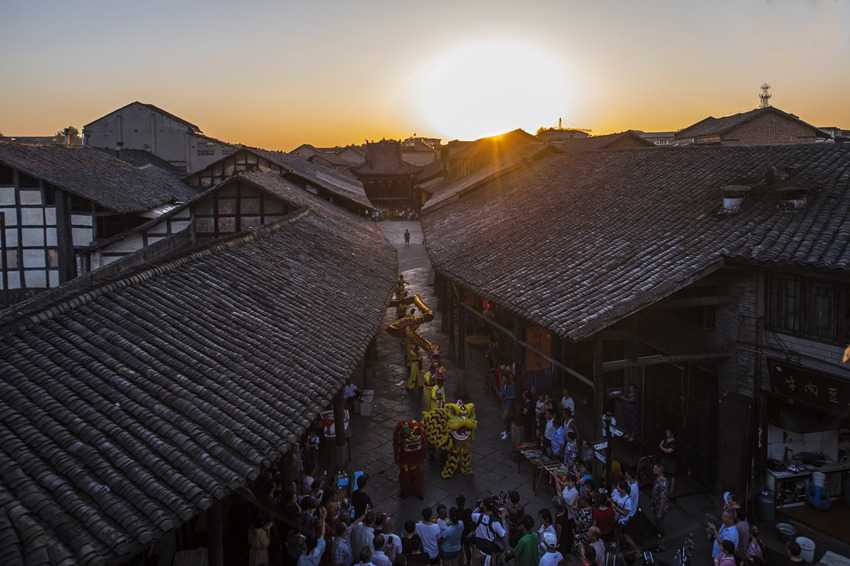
column 73, row 136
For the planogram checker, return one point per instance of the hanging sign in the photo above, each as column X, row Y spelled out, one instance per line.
column 827, row 391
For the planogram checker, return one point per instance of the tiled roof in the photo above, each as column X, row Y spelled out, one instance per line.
column 506, row 142
column 712, row 126
column 141, row 157
column 192, row 127
column 502, row 163
column 607, row 141
column 576, row 242
column 384, row 158
column 97, row 176
column 128, row 408
column 325, row 177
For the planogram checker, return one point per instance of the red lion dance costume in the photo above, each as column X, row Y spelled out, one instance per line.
column 410, row 448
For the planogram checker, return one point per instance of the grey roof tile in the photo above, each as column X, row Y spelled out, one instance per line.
column 576, row 242
column 128, row 408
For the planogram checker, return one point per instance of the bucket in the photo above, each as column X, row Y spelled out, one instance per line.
column 819, row 478
column 367, row 402
column 807, row 549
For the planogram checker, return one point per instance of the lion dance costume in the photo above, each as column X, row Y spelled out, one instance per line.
column 410, row 449
column 452, row 428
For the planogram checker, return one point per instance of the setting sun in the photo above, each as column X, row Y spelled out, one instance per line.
column 490, row 87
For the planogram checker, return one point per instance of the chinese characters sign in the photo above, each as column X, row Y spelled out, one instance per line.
column 817, row 388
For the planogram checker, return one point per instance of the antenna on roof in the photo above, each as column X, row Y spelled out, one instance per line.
column 765, row 96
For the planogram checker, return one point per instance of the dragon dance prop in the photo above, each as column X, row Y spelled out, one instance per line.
column 405, row 327
column 410, row 450
column 452, row 428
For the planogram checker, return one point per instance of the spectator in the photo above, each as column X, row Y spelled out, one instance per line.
column 363, row 533
column 630, row 411
column 465, row 515
column 743, row 528
column 597, row 544
column 526, row 550
column 360, row 499
column 528, row 416
column 365, row 555
column 379, row 557
column 315, row 545
column 604, row 517
column 507, row 394
column 793, row 549
column 568, row 403
column 259, row 540
column 726, row 531
column 546, row 527
column 417, row 555
column 429, row 533
column 386, row 526
column 488, row 527
column 341, row 554
column 660, row 503
column 551, row 557
column 450, row 549
column 668, row 456
column 727, row 555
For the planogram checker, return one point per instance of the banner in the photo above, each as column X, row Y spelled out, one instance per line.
column 328, row 427
column 538, row 370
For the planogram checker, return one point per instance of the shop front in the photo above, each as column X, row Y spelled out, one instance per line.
column 807, row 453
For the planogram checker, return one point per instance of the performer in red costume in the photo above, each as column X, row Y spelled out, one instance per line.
column 410, row 448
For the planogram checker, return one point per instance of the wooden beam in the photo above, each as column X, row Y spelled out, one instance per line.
column 693, row 302
column 612, row 335
column 655, row 360
column 510, row 334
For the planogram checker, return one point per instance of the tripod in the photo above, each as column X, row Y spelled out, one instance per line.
column 613, row 555
column 685, row 553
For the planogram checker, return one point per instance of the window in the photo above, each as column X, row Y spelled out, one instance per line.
column 206, row 148
column 808, row 308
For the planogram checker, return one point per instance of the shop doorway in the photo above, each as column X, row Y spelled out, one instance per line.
column 684, row 397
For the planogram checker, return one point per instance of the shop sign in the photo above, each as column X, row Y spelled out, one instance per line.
column 541, row 340
column 328, row 423
column 811, row 386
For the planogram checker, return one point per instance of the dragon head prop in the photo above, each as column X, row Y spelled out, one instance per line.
column 410, row 446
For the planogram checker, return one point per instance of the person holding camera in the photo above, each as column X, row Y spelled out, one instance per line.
column 489, row 534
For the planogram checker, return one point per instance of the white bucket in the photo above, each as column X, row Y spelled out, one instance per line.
column 818, row 478
column 807, row 548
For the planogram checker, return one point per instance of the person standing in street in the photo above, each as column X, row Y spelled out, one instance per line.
column 507, row 394
column 660, row 503
column 406, row 238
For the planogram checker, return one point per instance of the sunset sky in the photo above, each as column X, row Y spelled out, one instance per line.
column 276, row 74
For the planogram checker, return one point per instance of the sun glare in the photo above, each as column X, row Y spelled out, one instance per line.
column 492, row 87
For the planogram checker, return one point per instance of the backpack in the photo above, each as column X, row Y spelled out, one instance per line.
column 487, row 546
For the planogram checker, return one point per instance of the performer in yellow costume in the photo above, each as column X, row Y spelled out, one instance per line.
column 452, row 428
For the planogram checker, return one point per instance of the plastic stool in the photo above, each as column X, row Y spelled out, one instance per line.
column 817, row 496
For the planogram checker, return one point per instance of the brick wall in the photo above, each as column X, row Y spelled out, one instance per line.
column 767, row 129
column 736, row 329
column 740, row 327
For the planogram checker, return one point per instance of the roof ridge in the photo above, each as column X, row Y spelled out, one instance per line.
column 13, row 320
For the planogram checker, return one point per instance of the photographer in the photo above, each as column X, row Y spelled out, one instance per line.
column 489, row 533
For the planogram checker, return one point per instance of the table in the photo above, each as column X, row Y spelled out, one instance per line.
column 541, row 463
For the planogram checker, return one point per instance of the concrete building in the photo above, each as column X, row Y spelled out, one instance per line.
column 146, row 127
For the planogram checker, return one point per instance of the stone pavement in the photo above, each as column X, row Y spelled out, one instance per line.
column 494, row 461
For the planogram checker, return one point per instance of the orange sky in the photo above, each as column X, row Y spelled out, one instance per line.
column 276, row 74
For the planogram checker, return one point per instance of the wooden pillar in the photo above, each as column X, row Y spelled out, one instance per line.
column 215, row 535
column 461, row 336
column 519, row 351
column 559, row 379
column 340, row 454
column 450, row 312
column 597, row 407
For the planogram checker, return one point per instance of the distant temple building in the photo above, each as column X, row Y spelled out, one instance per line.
column 387, row 179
